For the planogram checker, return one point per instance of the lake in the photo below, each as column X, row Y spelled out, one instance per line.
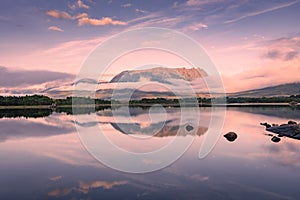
column 42, row 156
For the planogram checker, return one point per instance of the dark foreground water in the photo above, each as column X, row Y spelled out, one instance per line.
column 42, row 158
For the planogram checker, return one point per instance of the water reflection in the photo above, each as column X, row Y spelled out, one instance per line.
column 47, row 152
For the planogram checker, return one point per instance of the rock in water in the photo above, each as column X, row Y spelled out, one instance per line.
column 292, row 122
column 291, row 129
column 231, row 136
column 189, row 128
column 275, row 139
column 266, row 125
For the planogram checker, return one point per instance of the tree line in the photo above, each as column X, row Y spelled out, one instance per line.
column 37, row 100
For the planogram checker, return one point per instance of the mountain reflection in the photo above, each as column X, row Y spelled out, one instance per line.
column 155, row 123
column 46, row 122
column 157, row 130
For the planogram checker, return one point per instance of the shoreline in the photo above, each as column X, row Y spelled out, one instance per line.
column 145, row 105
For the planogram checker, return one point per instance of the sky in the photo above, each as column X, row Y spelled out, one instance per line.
column 253, row 43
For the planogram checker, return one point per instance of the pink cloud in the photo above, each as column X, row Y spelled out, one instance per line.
column 99, row 22
column 59, row 14
column 81, row 15
column 273, row 73
column 55, row 28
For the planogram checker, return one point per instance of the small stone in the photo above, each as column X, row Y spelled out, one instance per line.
column 231, row 136
column 275, row 139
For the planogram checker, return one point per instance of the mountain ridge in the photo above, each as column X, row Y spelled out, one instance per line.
column 286, row 89
column 159, row 74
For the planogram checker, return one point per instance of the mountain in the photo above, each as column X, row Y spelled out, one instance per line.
column 272, row 91
column 159, row 74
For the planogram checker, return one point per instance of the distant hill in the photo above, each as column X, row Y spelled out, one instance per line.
column 273, row 91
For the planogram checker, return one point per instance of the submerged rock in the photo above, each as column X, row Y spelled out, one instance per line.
column 231, row 136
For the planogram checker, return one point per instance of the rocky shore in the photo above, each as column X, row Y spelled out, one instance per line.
column 291, row 130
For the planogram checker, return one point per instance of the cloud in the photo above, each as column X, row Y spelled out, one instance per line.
column 193, row 2
column 72, row 6
column 201, row 2
column 59, row 14
column 275, row 62
column 60, row 192
column 82, row 5
column 156, row 19
column 64, row 15
column 85, row 186
column 55, row 178
column 78, row 4
column 81, row 15
column 255, row 13
column 99, row 22
column 140, row 11
column 199, row 177
column 274, row 73
column 13, row 78
column 273, row 54
column 12, row 130
column 126, row 5
column 285, row 48
column 197, row 26
column 55, row 28
column 291, row 55
column 83, row 19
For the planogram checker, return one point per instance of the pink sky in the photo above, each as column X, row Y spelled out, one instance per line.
column 242, row 67
column 252, row 46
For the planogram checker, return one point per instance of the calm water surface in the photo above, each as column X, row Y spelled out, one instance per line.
column 43, row 158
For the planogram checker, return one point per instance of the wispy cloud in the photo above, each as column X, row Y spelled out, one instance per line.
column 81, row 15
column 201, row 2
column 252, row 14
column 197, row 26
column 55, row 178
column 97, row 184
column 55, row 28
column 59, row 14
column 79, row 4
column 285, row 48
column 60, row 192
column 100, row 22
column 82, row 5
column 140, row 11
column 127, row 5
column 13, row 78
column 194, row 5
column 277, row 62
